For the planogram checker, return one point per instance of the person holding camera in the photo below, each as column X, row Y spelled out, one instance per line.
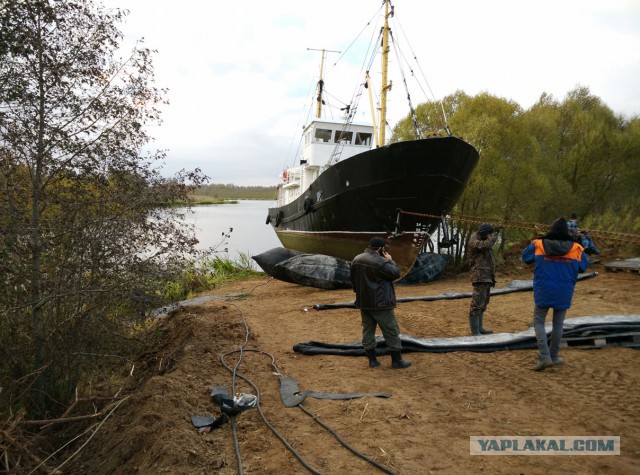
column 372, row 274
column 483, row 274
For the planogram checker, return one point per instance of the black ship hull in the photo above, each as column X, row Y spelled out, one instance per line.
column 374, row 194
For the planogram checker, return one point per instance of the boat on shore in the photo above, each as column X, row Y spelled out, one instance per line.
column 350, row 185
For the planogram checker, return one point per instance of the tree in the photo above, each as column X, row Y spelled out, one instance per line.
column 86, row 229
column 589, row 149
column 590, row 157
column 543, row 123
column 509, row 160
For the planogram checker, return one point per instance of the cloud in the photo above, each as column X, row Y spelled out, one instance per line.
column 241, row 77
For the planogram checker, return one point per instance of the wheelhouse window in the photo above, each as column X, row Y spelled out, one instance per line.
column 363, row 138
column 323, row 135
column 343, row 137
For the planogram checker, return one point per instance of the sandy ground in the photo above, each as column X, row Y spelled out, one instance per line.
column 423, row 428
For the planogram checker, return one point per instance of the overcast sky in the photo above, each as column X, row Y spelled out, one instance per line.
column 241, row 78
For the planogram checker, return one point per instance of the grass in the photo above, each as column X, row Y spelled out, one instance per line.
column 209, row 274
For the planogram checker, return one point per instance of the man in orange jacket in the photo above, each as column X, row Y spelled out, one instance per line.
column 557, row 259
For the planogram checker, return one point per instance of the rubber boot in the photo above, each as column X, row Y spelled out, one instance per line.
column 474, row 325
column 483, row 330
column 397, row 362
column 373, row 361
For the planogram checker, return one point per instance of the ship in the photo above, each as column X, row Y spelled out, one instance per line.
column 350, row 185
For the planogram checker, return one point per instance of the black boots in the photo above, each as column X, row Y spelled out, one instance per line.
column 397, row 362
column 475, row 325
column 483, row 330
column 373, row 361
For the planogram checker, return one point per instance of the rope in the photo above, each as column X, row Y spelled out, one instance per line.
column 531, row 226
column 414, row 117
column 424, row 77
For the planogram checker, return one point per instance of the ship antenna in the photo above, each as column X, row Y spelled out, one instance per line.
column 319, row 100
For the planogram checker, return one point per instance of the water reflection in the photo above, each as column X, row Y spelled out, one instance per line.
column 250, row 234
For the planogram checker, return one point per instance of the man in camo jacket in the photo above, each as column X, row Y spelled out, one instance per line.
column 483, row 274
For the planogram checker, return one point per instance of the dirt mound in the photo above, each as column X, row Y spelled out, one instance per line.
column 424, row 427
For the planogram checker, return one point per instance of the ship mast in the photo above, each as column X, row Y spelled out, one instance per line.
column 385, row 60
column 321, row 80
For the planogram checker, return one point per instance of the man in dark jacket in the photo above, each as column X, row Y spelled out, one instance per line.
column 372, row 274
column 558, row 259
column 483, row 274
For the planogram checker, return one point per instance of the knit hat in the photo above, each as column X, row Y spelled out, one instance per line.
column 559, row 226
column 574, row 216
column 485, row 229
column 377, row 242
column 559, row 230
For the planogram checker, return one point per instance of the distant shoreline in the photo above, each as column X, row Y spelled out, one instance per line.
column 224, row 194
column 197, row 201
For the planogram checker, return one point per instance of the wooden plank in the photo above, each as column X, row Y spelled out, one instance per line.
column 626, row 265
column 627, row 339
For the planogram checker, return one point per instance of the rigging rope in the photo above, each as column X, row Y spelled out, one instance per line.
column 424, row 77
column 531, row 226
column 375, row 16
column 414, row 117
column 353, row 106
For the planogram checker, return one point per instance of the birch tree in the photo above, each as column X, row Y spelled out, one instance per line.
column 87, row 233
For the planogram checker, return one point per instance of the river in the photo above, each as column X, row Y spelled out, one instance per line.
column 250, row 234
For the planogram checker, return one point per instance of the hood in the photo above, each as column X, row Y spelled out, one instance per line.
column 556, row 247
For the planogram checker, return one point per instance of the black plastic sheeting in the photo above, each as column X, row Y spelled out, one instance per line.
column 429, row 267
column 292, row 396
column 311, row 270
column 268, row 259
column 589, row 327
column 314, row 270
column 327, row 272
column 514, row 286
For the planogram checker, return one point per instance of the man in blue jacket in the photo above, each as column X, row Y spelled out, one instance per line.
column 372, row 274
column 557, row 261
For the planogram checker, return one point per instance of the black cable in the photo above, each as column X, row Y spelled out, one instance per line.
column 236, row 374
column 264, row 418
column 234, row 431
column 315, row 418
column 344, row 443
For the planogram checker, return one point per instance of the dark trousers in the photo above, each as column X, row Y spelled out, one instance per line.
column 386, row 320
